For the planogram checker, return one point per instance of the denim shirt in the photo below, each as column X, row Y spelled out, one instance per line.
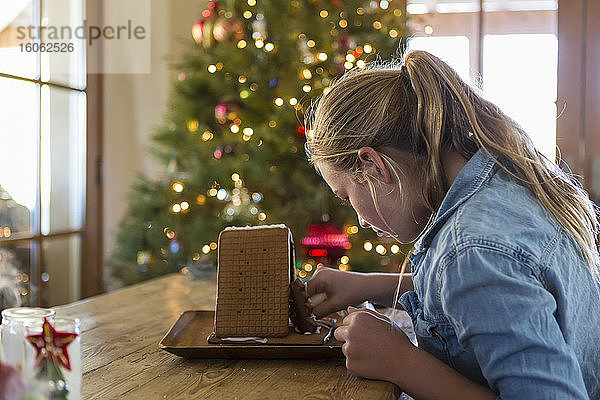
column 502, row 294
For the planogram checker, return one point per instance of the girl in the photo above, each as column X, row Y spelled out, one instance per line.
column 505, row 290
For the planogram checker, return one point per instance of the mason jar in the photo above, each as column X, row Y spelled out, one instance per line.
column 17, row 324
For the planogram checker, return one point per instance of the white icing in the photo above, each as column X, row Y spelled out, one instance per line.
column 244, row 339
column 249, row 228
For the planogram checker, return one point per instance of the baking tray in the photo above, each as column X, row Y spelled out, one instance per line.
column 188, row 338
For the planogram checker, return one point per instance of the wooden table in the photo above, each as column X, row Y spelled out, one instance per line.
column 121, row 358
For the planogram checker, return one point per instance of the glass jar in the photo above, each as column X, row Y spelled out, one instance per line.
column 72, row 377
column 17, row 324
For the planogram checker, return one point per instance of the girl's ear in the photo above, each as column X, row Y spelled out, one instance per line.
column 373, row 164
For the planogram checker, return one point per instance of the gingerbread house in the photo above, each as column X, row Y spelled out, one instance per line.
column 255, row 268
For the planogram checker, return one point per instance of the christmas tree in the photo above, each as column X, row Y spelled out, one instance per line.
column 233, row 140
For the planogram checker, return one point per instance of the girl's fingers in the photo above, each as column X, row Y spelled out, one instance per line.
column 341, row 333
column 314, row 286
column 325, row 308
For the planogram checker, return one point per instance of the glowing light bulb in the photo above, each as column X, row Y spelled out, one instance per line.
column 368, row 246
column 178, row 187
column 344, row 259
column 279, row 101
column 259, row 44
column 212, row 69
column 380, row 249
column 395, row 248
column 234, row 128
column 350, row 57
column 367, row 48
column 176, row 208
column 241, row 44
column 322, row 56
column 248, row 131
column 193, row 125
column 185, row 205
column 324, row 13
column 269, row 47
column 293, row 101
column 235, row 177
column 205, row 249
column 306, row 88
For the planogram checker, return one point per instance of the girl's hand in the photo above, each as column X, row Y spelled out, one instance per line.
column 342, row 289
column 374, row 346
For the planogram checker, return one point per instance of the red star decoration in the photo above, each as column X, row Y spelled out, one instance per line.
column 52, row 345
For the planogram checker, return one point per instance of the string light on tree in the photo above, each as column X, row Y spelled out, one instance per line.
column 178, row 187
column 193, row 125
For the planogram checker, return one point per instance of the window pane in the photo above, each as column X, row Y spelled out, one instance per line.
column 18, row 153
column 520, row 76
column 16, row 275
column 63, row 159
column 454, row 50
column 61, row 266
column 63, row 19
column 15, row 18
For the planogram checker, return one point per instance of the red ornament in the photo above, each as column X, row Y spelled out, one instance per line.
column 198, row 31
column 228, row 28
column 326, row 242
column 52, row 345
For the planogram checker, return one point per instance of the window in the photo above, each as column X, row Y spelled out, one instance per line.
column 510, row 50
column 43, row 103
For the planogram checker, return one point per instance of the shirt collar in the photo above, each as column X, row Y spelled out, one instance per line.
column 468, row 181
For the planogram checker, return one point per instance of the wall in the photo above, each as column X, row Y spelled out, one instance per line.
column 578, row 128
column 133, row 104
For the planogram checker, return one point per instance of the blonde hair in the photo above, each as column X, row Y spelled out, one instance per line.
column 422, row 106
